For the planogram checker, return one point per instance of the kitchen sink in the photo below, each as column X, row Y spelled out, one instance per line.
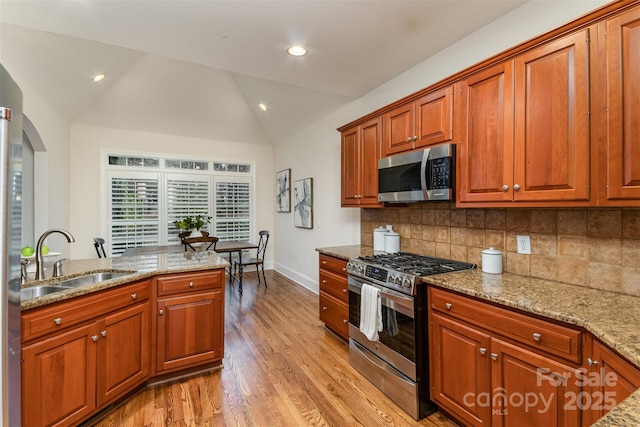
column 38, row 291
column 92, row 278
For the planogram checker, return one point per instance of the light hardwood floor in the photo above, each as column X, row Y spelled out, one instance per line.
column 281, row 368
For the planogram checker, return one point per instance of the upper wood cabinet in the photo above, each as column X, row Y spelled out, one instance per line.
column 525, row 136
column 425, row 121
column 620, row 39
column 360, row 154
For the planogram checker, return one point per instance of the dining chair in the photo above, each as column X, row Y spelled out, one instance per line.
column 258, row 261
column 98, row 243
column 195, row 242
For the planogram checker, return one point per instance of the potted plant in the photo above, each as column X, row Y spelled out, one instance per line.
column 193, row 223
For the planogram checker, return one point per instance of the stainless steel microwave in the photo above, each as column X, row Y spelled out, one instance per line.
column 416, row 176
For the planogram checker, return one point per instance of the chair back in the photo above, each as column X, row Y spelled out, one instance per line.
column 98, row 243
column 262, row 244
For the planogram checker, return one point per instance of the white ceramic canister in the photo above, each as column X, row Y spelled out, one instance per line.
column 492, row 261
column 391, row 242
column 378, row 239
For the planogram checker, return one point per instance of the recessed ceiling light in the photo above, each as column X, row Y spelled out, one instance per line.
column 262, row 106
column 297, row 51
column 98, row 77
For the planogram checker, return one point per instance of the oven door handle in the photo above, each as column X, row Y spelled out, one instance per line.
column 394, row 300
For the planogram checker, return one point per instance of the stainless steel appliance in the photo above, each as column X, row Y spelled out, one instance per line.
column 416, row 176
column 10, row 238
column 397, row 363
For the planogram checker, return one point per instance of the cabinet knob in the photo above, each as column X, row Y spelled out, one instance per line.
column 409, row 139
column 505, row 187
column 324, row 262
column 448, row 306
column 103, row 333
column 483, row 351
column 134, row 296
column 345, row 290
column 191, row 284
column 324, row 308
column 161, row 312
column 494, row 356
column 57, row 320
column 516, row 187
column 415, row 137
column 345, row 321
column 537, row 336
column 324, row 282
column 94, row 338
column 591, row 362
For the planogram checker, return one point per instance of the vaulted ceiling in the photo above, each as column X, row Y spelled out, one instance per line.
column 200, row 68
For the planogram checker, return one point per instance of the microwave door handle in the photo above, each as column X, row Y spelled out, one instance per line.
column 423, row 172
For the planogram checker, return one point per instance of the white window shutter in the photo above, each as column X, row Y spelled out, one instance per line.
column 232, row 209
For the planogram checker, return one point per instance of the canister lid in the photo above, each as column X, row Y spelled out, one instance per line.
column 492, row 251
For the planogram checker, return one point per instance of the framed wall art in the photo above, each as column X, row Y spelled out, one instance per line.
column 283, row 191
column 303, row 203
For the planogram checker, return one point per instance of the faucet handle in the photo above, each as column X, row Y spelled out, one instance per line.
column 24, row 278
column 57, row 268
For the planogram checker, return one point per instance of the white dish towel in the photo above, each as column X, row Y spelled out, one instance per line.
column 370, row 312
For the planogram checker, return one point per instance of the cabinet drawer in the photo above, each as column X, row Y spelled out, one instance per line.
column 192, row 282
column 336, row 265
column 52, row 318
column 335, row 315
column 544, row 336
column 335, row 285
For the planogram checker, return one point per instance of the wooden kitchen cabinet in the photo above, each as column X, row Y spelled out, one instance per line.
column 82, row 354
column 526, row 132
column 334, row 295
column 425, row 121
column 487, row 367
column 611, row 379
column 360, row 154
column 619, row 38
column 189, row 320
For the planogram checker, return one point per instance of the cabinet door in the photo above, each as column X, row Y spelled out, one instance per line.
column 434, row 117
column 612, row 379
column 351, row 167
column 622, row 37
column 551, row 134
column 123, row 352
column 335, row 315
column 460, row 370
column 370, row 135
column 485, row 171
column 58, row 378
column 189, row 330
column 532, row 390
column 398, row 130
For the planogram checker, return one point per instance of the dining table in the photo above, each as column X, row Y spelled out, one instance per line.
column 228, row 247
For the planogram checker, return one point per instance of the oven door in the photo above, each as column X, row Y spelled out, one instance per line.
column 396, row 344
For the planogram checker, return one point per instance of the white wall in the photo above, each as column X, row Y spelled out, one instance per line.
column 87, row 186
column 315, row 151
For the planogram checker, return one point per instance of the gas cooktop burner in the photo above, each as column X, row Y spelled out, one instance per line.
column 399, row 270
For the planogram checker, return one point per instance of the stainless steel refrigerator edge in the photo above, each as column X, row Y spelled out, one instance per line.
column 10, row 238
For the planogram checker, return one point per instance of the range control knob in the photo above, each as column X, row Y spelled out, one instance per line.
column 406, row 282
column 391, row 278
column 399, row 280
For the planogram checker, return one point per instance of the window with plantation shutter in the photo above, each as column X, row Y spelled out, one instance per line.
column 187, row 195
column 232, row 219
column 134, row 214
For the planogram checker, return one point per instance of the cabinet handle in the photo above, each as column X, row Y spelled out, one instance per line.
column 344, row 268
column 103, row 333
column 591, row 362
column 324, row 308
column 505, row 187
column 345, row 290
column 94, row 338
column 161, row 312
column 57, row 320
column 483, row 351
column 537, row 336
column 516, row 187
column 409, row 139
column 448, row 306
column 191, row 284
column 324, row 262
column 415, row 137
column 494, row 356
column 345, row 321
column 324, row 282
column 134, row 296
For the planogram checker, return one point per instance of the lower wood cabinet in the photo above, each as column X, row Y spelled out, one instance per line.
column 334, row 295
column 92, row 359
column 189, row 320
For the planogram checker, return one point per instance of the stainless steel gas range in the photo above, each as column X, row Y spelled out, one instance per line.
column 397, row 363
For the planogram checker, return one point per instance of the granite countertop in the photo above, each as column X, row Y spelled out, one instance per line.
column 140, row 267
column 609, row 316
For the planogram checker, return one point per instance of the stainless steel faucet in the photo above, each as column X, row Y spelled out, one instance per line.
column 39, row 259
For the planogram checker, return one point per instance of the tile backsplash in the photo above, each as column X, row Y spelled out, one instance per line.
column 597, row 248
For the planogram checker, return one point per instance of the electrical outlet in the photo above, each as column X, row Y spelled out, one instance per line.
column 524, row 244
